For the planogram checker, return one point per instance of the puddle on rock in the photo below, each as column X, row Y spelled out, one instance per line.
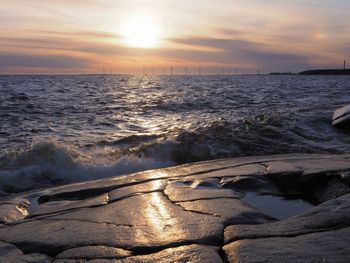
column 276, row 206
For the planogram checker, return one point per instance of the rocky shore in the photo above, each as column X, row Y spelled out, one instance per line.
column 286, row 208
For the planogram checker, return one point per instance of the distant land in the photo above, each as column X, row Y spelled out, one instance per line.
column 340, row 71
column 316, row 72
column 326, row 72
column 282, row 73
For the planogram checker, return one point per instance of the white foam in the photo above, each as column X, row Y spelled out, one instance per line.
column 48, row 163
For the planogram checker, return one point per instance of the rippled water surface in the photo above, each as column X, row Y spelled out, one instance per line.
column 61, row 129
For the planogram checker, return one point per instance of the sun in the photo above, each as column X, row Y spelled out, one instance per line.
column 141, row 31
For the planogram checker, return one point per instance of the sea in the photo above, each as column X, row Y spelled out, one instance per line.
column 56, row 130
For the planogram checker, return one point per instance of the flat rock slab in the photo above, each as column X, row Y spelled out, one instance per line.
column 328, row 246
column 191, row 213
column 93, row 252
column 333, row 214
column 190, row 253
column 11, row 254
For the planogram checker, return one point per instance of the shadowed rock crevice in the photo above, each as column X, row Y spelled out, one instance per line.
column 142, row 251
column 314, row 188
column 223, row 255
column 88, row 221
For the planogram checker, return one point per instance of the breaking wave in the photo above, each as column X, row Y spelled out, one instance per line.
column 49, row 163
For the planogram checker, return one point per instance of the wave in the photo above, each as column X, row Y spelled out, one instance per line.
column 51, row 163
column 47, row 164
column 251, row 136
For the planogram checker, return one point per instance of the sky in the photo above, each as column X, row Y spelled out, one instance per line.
column 132, row 36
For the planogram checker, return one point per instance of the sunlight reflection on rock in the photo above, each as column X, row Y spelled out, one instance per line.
column 158, row 215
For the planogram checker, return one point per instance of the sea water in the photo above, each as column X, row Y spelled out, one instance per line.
column 62, row 129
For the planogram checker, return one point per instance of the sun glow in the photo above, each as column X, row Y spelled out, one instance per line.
column 142, row 31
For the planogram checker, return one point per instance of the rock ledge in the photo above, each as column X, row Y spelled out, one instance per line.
column 285, row 208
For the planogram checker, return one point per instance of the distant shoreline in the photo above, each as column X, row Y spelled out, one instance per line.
column 326, row 72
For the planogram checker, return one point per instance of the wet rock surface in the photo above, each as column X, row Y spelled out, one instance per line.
column 216, row 211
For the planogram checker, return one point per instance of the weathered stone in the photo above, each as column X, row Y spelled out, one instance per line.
column 241, row 170
column 333, row 214
column 187, row 190
column 308, row 167
column 67, row 205
column 193, row 253
column 93, row 252
column 70, row 202
column 158, row 215
column 329, row 246
column 54, row 236
column 152, row 186
column 233, row 210
column 78, row 261
column 147, row 220
column 108, row 184
column 250, row 184
column 11, row 254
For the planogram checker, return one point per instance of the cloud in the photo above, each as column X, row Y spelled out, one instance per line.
column 231, row 51
column 278, row 35
column 96, row 49
column 42, row 61
column 222, row 52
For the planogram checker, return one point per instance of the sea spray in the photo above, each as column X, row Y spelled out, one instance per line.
column 49, row 163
